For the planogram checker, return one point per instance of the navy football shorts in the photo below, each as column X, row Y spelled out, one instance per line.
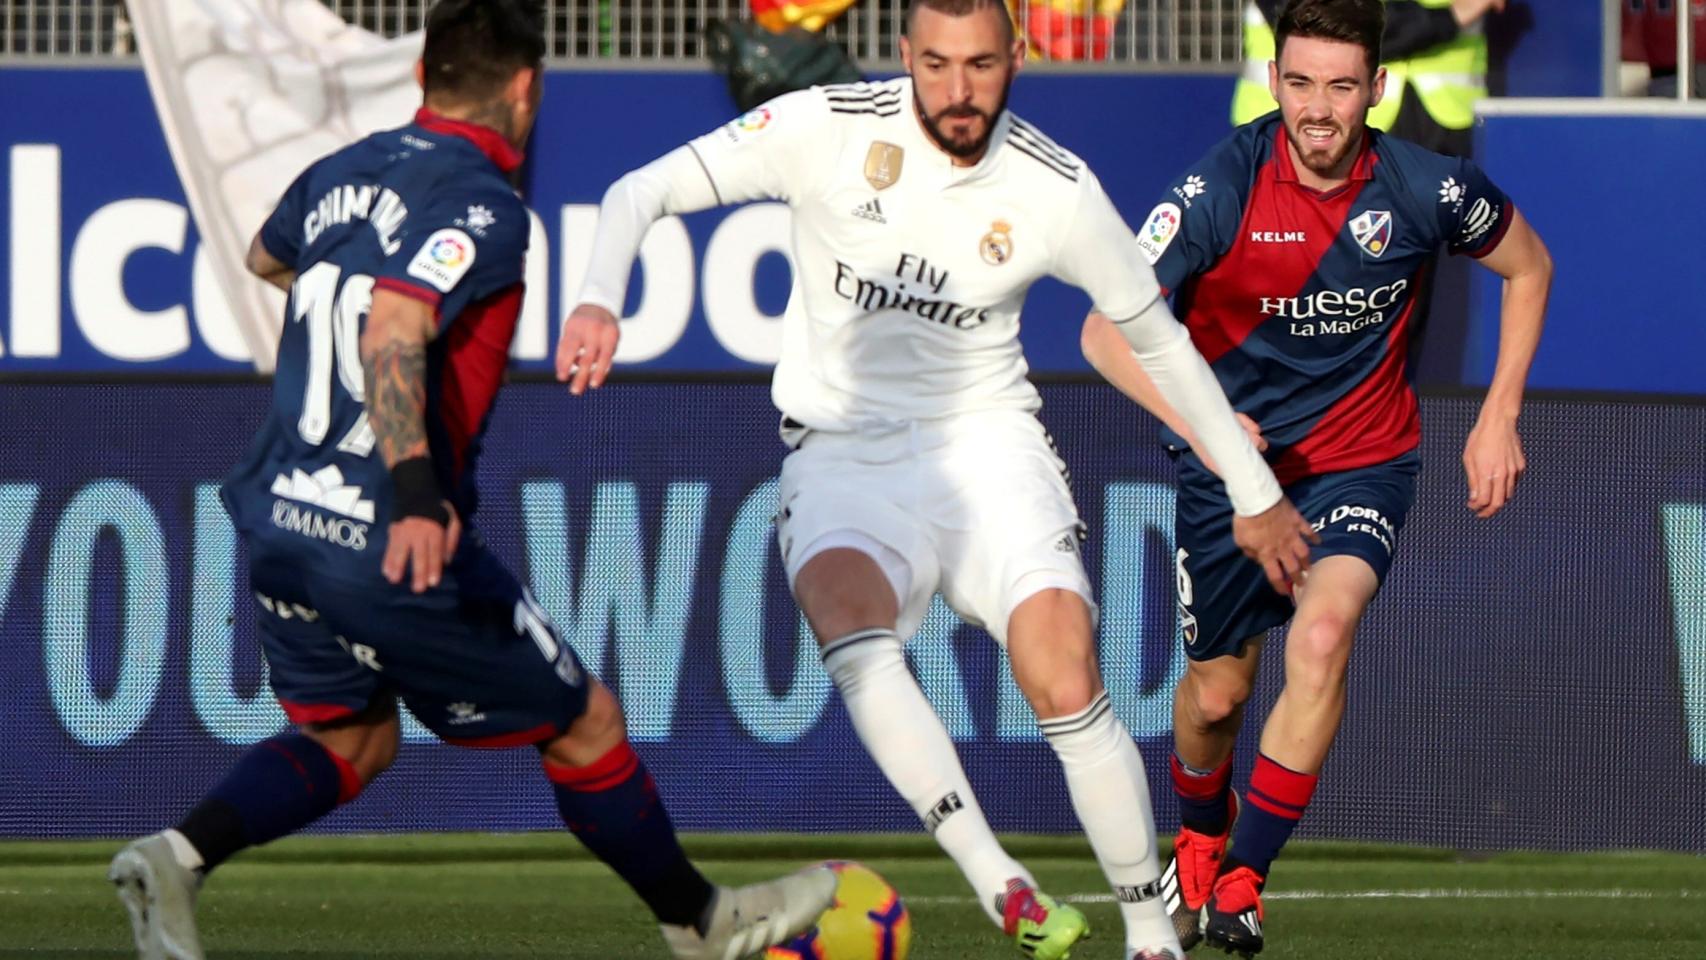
column 1224, row 597
column 474, row 659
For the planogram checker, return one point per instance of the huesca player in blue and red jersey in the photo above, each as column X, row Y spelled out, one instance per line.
column 1299, row 254
column 402, row 254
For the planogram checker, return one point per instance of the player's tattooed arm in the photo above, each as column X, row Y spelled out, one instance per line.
column 424, row 528
column 393, row 358
column 263, row 264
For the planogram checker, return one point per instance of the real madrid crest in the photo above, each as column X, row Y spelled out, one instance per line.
column 882, row 164
column 996, row 247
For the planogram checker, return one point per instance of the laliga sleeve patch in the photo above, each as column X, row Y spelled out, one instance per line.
column 749, row 124
column 1158, row 231
column 444, row 259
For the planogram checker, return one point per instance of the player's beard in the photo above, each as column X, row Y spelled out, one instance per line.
column 961, row 148
column 1325, row 163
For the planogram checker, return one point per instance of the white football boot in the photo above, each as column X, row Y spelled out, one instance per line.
column 746, row 920
column 160, row 895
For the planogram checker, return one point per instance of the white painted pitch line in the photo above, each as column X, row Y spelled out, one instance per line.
column 1454, row 893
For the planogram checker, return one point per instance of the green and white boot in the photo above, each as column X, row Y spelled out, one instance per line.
column 1040, row 927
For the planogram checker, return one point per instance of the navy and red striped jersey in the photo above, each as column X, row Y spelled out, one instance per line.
column 426, row 211
column 1304, row 302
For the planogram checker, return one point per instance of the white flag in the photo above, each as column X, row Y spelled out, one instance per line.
column 249, row 93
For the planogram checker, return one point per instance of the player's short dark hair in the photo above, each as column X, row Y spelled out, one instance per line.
column 1348, row 21
column 959, row 8
column 473, row 47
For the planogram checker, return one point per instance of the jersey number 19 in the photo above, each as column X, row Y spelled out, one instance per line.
column 333, row 317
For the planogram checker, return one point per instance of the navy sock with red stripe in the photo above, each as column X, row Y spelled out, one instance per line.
column 1274, row 803
column 278, row 787
column 1203, row 796
column 612, row 806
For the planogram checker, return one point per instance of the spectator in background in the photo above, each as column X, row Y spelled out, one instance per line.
column 1649, row 36
column 1436, row 68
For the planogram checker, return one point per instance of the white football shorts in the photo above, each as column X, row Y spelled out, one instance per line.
column 974, row 506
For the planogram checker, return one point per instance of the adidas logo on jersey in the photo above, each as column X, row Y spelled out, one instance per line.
column 871, row 210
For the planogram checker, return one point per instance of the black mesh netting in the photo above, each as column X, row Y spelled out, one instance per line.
column 1537, row 680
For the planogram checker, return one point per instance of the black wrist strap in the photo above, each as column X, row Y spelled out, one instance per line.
column 414, row 484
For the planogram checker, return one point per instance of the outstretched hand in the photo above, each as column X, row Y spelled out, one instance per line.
column 588, row 346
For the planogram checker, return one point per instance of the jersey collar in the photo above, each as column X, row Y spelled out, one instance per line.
column 997, row 140
column 1286, row 171
column 490, row 142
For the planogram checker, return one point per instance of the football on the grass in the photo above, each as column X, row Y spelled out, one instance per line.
column 867, row 922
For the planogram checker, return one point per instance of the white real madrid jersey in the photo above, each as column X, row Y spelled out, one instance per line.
column 909, row 271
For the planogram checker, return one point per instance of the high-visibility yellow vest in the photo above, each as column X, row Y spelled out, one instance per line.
column 1448, row 79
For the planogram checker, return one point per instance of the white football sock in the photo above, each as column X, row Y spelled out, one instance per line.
column 1104, row 774
column 907, row 740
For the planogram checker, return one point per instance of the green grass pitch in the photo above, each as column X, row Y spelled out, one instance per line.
column 540, row 895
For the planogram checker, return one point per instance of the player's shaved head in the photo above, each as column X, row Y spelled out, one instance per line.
column 959, row 8
column 474, row 47
column 1345, row 21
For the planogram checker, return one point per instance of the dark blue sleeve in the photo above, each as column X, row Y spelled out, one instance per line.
column 1473, row 213
column 460, row 249
column 1197, row 220
column 281, row 234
